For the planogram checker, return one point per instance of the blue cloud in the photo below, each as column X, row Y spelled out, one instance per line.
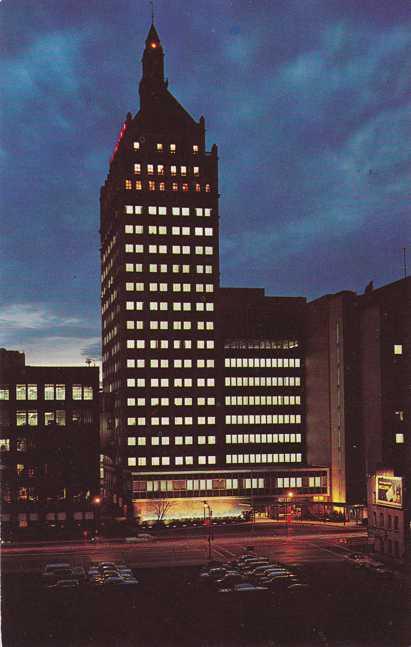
column 308, row 102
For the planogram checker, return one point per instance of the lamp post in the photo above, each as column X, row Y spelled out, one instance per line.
column 96, row 503
column 289, row 498
column 210, row 526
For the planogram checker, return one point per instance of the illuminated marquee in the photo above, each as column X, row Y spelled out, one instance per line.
column 389, row 491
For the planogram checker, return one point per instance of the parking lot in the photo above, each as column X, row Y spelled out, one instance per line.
column 340, row 603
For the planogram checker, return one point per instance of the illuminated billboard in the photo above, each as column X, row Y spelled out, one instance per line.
column 389, row 491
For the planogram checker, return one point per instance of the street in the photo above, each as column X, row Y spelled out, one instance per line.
column 302, row 544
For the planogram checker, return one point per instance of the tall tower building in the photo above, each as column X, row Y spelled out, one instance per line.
column 205, row 385
column 160, row 274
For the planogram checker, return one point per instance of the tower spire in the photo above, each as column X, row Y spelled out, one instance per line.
column 152, row 82
column 152, row 11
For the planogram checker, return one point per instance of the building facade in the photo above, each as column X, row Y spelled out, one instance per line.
column 217, row 393
column 385, row 330
column 262, row 348
column 160, row 275
column 49, row 443
column 333, row 395
column 168, row 360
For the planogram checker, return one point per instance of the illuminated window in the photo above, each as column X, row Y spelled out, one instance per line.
column 21, row 393
column 128, row 185
column 173, row 170
column 137, row 169
column 185, row 186
column 136, row 146
column 60, row 392
column 4, row 445
column 151, row 185
column 183, row 170
column 32, row 418
column 77, row 392
column 139, row 185
column 159, row 147
column 160, row 169
column 208, row 188
column 21, row 418
column 397, row 349
column 198, row 188
column 150, row 169
column 195, row 148
column 4, row 393
column 399, row 439
column 172, row 148
column 162, row 186
column 174, row 186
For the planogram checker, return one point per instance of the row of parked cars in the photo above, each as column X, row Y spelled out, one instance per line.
column 250, row 573
column 61, row 576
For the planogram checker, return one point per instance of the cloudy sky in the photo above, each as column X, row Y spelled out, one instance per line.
column 309, row 102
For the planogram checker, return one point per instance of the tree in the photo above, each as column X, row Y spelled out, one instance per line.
column 160, row 508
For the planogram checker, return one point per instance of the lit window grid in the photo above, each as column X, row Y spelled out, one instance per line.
column 234, row 481
column 177, row 231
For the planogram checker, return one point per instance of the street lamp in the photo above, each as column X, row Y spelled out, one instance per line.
column 210, row 526
column 288, row 498
column 96, row 501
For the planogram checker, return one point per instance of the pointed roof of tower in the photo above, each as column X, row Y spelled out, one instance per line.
column 152, row 35
column 157, row 105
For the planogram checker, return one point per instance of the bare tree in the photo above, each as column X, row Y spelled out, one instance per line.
column 160, row 508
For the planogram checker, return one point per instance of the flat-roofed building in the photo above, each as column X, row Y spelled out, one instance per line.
column 49, row 443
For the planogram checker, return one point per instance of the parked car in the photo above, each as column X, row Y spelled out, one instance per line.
column 279, row 583
column 230, row 578
column 130, row 583
column 248, row 570
column 65, row 584
column 213, row 573
column 79, row 573
column 107, row 564
column 54, row 572
column 49, row 568
column 243, row 587
column 113, row 579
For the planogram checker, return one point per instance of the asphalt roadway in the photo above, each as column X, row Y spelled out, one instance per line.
column 186, row 547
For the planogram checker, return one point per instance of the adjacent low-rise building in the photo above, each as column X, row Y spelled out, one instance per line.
column 49, row 443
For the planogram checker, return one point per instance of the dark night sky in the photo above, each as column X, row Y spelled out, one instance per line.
column 309, row 102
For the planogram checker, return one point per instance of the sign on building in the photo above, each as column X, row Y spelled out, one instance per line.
column 389, row 491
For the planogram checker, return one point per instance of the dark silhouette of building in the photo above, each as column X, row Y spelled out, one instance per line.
column 211, row 393
column 358, row 377
column 385, row 331
column 332, row 393
column 49, row 444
